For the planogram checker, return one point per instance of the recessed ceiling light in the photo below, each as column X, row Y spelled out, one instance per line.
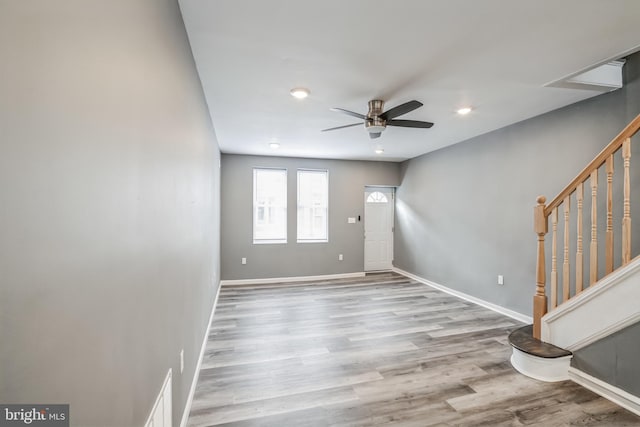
column 379, row 150
column 463, row 111
column 299, row 92
column 274, row 145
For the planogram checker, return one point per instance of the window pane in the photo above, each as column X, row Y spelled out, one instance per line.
column 313, row 201
column 269, row 206
column 377, row 197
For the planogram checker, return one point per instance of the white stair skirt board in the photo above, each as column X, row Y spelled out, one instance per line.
column 606, row 390
column 161, row 415
column 541, row 368
column 486, row 304
column 196, row 374
column 606, row 307
column 237, row 282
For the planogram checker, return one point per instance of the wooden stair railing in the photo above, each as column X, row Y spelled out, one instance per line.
column 543, row 211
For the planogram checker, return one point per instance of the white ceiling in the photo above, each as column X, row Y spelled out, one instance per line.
column 495, row 55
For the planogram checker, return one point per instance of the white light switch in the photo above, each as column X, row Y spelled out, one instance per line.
column 500, row 279
column 351, row 220
column 244, row 261
column 340, row 257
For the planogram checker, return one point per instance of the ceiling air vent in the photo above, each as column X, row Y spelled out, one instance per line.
column 604, row 78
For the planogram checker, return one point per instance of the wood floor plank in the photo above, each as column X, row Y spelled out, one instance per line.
column 375, row 350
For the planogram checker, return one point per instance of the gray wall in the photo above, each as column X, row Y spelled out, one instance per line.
column 464, row 213
column 347, row 180
column 613, row 359
column 109, row 207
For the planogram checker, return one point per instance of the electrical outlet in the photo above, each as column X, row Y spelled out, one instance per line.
column 182, row 360
column 244, row 261
column 500, row 279
column 340, row 257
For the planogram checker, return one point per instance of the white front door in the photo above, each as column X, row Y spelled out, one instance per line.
column 378, row 229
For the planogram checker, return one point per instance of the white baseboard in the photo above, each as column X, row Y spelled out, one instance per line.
column 194, row 381
column 606, row 390
column 289, row 279
column 486, row 304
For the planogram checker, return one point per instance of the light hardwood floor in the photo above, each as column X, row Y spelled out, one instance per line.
column 379, row 350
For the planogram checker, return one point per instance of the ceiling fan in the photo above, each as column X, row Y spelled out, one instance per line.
column 376, row 121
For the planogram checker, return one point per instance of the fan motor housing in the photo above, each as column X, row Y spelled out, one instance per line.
column 375, row 108
column 374, row 124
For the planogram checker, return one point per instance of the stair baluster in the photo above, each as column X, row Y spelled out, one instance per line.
column 566, row 278
column 579, row 254
column 626, row 218
column 554, row 258
column 609, row 233
column 593, row 248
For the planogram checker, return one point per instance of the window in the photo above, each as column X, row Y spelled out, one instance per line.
column 269, row 206
column 313, row 203
column 377, row 197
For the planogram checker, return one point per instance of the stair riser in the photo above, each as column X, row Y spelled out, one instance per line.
column 540, row 368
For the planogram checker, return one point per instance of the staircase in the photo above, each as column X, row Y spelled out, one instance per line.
column 594, row 289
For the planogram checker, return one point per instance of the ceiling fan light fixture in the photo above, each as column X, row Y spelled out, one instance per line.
column 464, row 111
column 299, row 92
column 274, row 145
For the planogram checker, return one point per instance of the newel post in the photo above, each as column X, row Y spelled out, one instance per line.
column 539, row 299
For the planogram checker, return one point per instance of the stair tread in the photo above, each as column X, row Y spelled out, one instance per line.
column 522, row 339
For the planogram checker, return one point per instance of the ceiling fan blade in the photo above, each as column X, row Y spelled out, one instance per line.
column 401, row 109
column 341, row 127
column 409, row 124
column 351, row 113
column 374, row 135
